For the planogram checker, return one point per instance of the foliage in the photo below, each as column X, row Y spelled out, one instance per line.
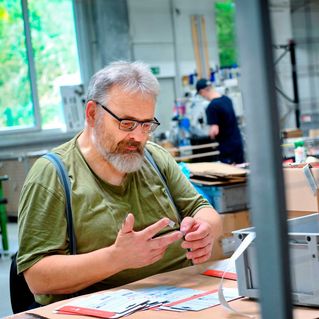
column 14, row 82
column 226, row 37
column 54, row 54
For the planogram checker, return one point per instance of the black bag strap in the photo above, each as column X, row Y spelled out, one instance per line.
column 150, row 158
column 65, row 180
column 21, row 297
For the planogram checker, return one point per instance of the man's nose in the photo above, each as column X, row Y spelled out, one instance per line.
column 138, row 134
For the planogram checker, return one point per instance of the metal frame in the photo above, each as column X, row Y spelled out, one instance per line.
column 266, row 187
column 291, row 48
column 31, row 64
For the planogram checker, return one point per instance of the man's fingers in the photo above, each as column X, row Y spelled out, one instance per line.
column 187, row 224
column 165, row 240
column 200, row 253
column 153, row 229
column 128, row 224
column 197, row 232
column 196, row 244
column 200, row 260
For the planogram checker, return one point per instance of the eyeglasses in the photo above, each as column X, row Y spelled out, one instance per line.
column 131, row 125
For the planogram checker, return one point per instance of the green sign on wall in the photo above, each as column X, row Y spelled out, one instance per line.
column 155, row 70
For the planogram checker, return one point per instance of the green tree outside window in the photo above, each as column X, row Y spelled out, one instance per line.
column 226, row 36
column 15, row 92
column 55, row 56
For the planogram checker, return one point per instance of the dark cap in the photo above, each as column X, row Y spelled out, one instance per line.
column 202, row 84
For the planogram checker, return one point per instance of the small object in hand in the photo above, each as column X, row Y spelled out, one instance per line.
column 184, row 233
column 171, row 224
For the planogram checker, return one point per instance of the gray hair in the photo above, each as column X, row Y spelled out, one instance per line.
column 132, row 77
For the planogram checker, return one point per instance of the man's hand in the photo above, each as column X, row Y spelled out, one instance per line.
column 213, row 131
column 139, row 249
column 199, row 234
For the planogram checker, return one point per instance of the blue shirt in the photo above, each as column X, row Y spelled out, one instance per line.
column 220, row 112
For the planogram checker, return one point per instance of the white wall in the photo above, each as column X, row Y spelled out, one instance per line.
column 151, row 34
column 186, row 9
column 160, row 32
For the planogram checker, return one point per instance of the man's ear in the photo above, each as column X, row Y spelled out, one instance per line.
column 90, row 113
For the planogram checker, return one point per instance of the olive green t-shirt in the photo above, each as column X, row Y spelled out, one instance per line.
column 99, row 210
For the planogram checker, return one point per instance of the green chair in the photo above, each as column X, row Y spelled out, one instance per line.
column 3, row 216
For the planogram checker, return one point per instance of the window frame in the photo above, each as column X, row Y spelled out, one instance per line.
column 31, row 69
column 11, row 137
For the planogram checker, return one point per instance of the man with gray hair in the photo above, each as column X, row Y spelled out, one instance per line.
column 121, row 211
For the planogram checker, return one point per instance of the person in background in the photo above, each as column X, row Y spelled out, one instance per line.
column 222, row 120
column 121, row 210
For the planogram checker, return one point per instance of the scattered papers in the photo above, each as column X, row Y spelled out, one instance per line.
column 110, row 304
column 202, row 301
column 119, row 303
column 218, row 268
column 167, row 294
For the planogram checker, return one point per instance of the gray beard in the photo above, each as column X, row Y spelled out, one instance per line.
column 125, row 163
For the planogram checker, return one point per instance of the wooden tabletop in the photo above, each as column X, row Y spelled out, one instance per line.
column 190, row 277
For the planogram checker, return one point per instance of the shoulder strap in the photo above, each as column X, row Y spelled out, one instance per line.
column 150, row 158
column 65, row 180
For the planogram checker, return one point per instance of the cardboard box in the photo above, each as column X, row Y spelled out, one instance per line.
column 294, row 214
column 216, row 171
column 313, row 133
column 292, row 133
column 225, row 245
column 299, row 194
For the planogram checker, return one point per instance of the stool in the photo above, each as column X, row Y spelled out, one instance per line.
column 3, row 216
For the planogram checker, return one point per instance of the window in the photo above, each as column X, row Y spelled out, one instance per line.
column 38, row 54
column 226, row 36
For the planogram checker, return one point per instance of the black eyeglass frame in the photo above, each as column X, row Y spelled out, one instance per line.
column 154, row 124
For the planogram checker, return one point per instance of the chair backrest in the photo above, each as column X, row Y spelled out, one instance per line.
column 20, row 294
